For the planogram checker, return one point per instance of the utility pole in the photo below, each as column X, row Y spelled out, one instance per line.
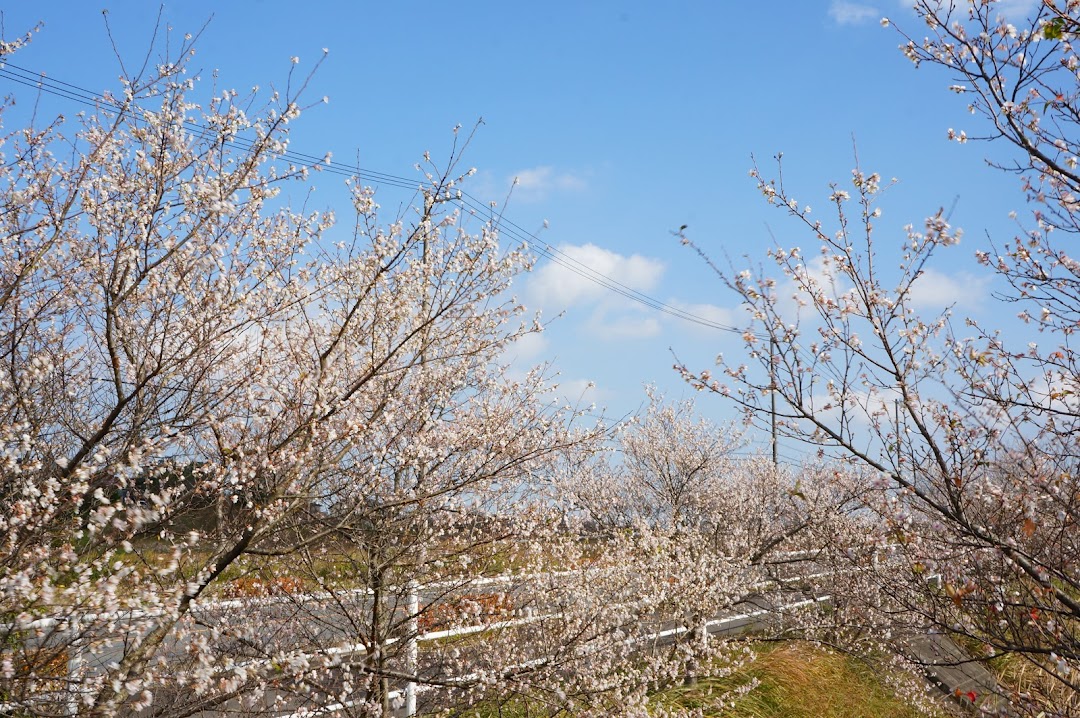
column 896, row 420
column 412, row 606
column 772, row 398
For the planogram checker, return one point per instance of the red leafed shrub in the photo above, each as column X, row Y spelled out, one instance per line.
column 468, row 610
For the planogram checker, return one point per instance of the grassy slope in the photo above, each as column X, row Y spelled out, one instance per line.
column 796, row 681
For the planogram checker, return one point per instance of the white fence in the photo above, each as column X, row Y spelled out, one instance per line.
column 406, row 699
column 68, row 629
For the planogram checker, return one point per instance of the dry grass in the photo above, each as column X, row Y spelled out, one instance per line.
column 795, row 681
column 1043, row 690
column 792, row 681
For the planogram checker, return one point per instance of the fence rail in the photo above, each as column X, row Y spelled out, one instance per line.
column 69, row 628
column 739, row 621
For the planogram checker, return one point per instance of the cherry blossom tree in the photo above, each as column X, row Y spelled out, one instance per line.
column 722, row 532
column 972, row 488
column 249, row 453
column 970, row 440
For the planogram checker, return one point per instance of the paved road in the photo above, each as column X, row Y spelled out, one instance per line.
column 957, row 673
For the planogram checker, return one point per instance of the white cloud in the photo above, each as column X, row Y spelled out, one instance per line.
column 568, row 284
column 709, row 312
column 1056, row 392
column 821, row 274
column 606, row 324
column 1012, row 10
column 562, row 285
column 937, row 290
column 579, row 391
column 1015, row 9
column 863, row 410
column 527, row 349
column 537, row 183
column 852, row 13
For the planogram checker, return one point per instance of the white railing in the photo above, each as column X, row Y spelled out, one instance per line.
column 61, row 628
column 716, row 625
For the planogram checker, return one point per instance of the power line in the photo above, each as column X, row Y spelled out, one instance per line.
column 78, row 94
column 75, row 93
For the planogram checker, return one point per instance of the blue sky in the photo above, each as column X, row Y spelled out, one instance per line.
column 623, row 121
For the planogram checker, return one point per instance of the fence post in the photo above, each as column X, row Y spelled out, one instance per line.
column 74, row 666
column 411, row 652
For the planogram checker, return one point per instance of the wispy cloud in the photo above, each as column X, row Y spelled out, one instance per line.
column 609, row 323
column 538, row 183
column 1015, row 9
column 936, row 290
column 852, row 13
column 562, row 285
column 709, row 312
column 1012, row 10
column 569, row 285
column 579, row 392
column 527, row 349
